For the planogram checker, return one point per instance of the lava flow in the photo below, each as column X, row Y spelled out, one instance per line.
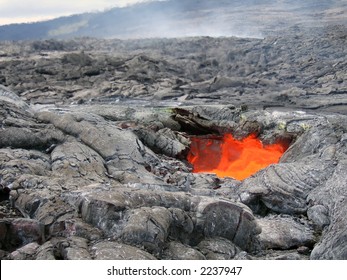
column 228, row 157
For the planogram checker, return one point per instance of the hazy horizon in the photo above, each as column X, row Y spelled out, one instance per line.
column 164, row 18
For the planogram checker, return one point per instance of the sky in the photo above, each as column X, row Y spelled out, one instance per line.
column 18, row 11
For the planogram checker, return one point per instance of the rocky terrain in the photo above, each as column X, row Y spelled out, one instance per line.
column 95, row 133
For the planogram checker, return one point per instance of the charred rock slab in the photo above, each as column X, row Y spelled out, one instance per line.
column 107, row 250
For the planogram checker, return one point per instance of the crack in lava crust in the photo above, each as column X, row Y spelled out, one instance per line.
column 227, row 157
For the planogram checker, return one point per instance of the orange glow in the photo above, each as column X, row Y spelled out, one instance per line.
column 228, row 157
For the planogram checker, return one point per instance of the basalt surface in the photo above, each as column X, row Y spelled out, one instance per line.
column 95, row 133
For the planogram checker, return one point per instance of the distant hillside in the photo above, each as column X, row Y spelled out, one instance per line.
column 177, row 18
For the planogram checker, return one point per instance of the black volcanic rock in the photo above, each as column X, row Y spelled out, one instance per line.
column 94, row 136
column 296, row 70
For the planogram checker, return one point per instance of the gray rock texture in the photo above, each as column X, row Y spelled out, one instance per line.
column 94, row 140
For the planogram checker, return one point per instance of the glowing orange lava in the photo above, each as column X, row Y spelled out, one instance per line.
column 228, row 157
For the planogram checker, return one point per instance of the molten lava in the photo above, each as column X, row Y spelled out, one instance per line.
column 228, row 157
